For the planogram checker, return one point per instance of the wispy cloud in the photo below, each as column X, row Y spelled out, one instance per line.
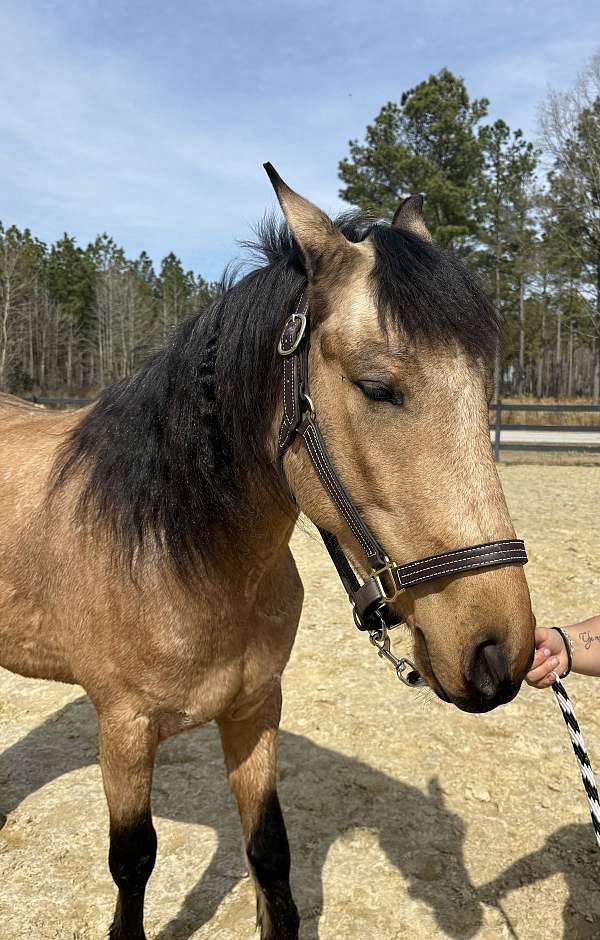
column 152, row 120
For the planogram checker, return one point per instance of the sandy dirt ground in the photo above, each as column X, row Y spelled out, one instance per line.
column 406, row 817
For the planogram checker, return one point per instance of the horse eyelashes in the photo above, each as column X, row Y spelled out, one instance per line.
column 377, row 391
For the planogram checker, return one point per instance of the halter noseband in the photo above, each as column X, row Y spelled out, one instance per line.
column 372, row 600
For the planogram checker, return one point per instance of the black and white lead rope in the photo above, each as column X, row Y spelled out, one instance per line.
column 585, row 768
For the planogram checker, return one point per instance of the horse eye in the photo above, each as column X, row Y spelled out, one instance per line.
column 378, row 391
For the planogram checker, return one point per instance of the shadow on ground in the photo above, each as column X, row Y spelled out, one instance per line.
column 325, row 795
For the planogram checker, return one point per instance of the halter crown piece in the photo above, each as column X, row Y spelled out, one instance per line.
column 372, row 600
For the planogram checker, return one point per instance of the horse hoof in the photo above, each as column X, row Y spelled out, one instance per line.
column 118, row 932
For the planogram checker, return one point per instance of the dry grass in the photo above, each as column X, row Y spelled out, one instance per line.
column 510, row 458
column 549, row 417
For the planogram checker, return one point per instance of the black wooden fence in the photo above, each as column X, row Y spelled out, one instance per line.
column 497, row 426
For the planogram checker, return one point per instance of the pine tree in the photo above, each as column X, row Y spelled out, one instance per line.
column 175, row 288
column 565, row 278
column 71, row 282
column 506, row 229
column 205, row 292
column 571, row 130
column 22, row 259
column 427, row 143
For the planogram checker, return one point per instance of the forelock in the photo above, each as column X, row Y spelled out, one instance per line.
column 428, row 293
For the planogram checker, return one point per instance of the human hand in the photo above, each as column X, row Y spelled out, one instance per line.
column 550, row 659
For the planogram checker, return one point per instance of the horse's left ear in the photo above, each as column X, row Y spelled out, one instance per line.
column 409, row 216
column 317, row 236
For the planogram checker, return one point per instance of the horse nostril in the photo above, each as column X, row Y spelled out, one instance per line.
column 487, row 668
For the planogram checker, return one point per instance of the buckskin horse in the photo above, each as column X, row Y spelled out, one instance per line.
column 144, row 539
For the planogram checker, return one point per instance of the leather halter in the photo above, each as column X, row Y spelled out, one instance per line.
column 370, row 601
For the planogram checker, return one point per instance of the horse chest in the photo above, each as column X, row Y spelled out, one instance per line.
column 231, row 675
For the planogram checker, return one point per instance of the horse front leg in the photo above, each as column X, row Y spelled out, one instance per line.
column 127, row 752
column 249, row 746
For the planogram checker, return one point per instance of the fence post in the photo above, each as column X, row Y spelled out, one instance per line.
column 497, row 427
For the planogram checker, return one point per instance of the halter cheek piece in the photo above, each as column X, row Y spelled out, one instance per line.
column 372, row 600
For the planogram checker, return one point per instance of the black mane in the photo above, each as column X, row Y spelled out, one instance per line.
column 166, row 454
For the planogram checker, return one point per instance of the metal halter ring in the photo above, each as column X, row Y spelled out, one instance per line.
column 306, row 398
column 376, row 574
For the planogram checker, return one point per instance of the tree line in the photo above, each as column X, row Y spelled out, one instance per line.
column 525, row 215
column 73, row 320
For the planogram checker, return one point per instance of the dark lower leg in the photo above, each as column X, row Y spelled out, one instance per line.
column 131, row 859
column 268, row 854
column 127, row 750
column 249, row 746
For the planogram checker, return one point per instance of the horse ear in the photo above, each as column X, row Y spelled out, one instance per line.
column 315, row 233
column 409, row 216
column 435, row 791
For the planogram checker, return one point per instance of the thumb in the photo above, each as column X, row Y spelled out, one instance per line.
column 542, row 635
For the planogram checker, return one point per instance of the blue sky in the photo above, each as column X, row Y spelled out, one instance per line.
column 151, row 120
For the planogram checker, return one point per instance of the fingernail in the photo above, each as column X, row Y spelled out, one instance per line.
column 554, row 661
column 552, row 677
column 546, row 652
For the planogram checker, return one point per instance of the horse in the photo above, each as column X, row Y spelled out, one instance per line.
column 144, row 538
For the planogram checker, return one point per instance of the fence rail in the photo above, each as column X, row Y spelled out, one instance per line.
column 40, row 400
column 497, row 426
column 569, row 430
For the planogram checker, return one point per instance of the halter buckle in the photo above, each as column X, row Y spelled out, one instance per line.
column 387, row 569
column 292, row 333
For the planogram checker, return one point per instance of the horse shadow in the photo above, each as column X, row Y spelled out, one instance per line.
column 326, row 796
column 572, row 852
